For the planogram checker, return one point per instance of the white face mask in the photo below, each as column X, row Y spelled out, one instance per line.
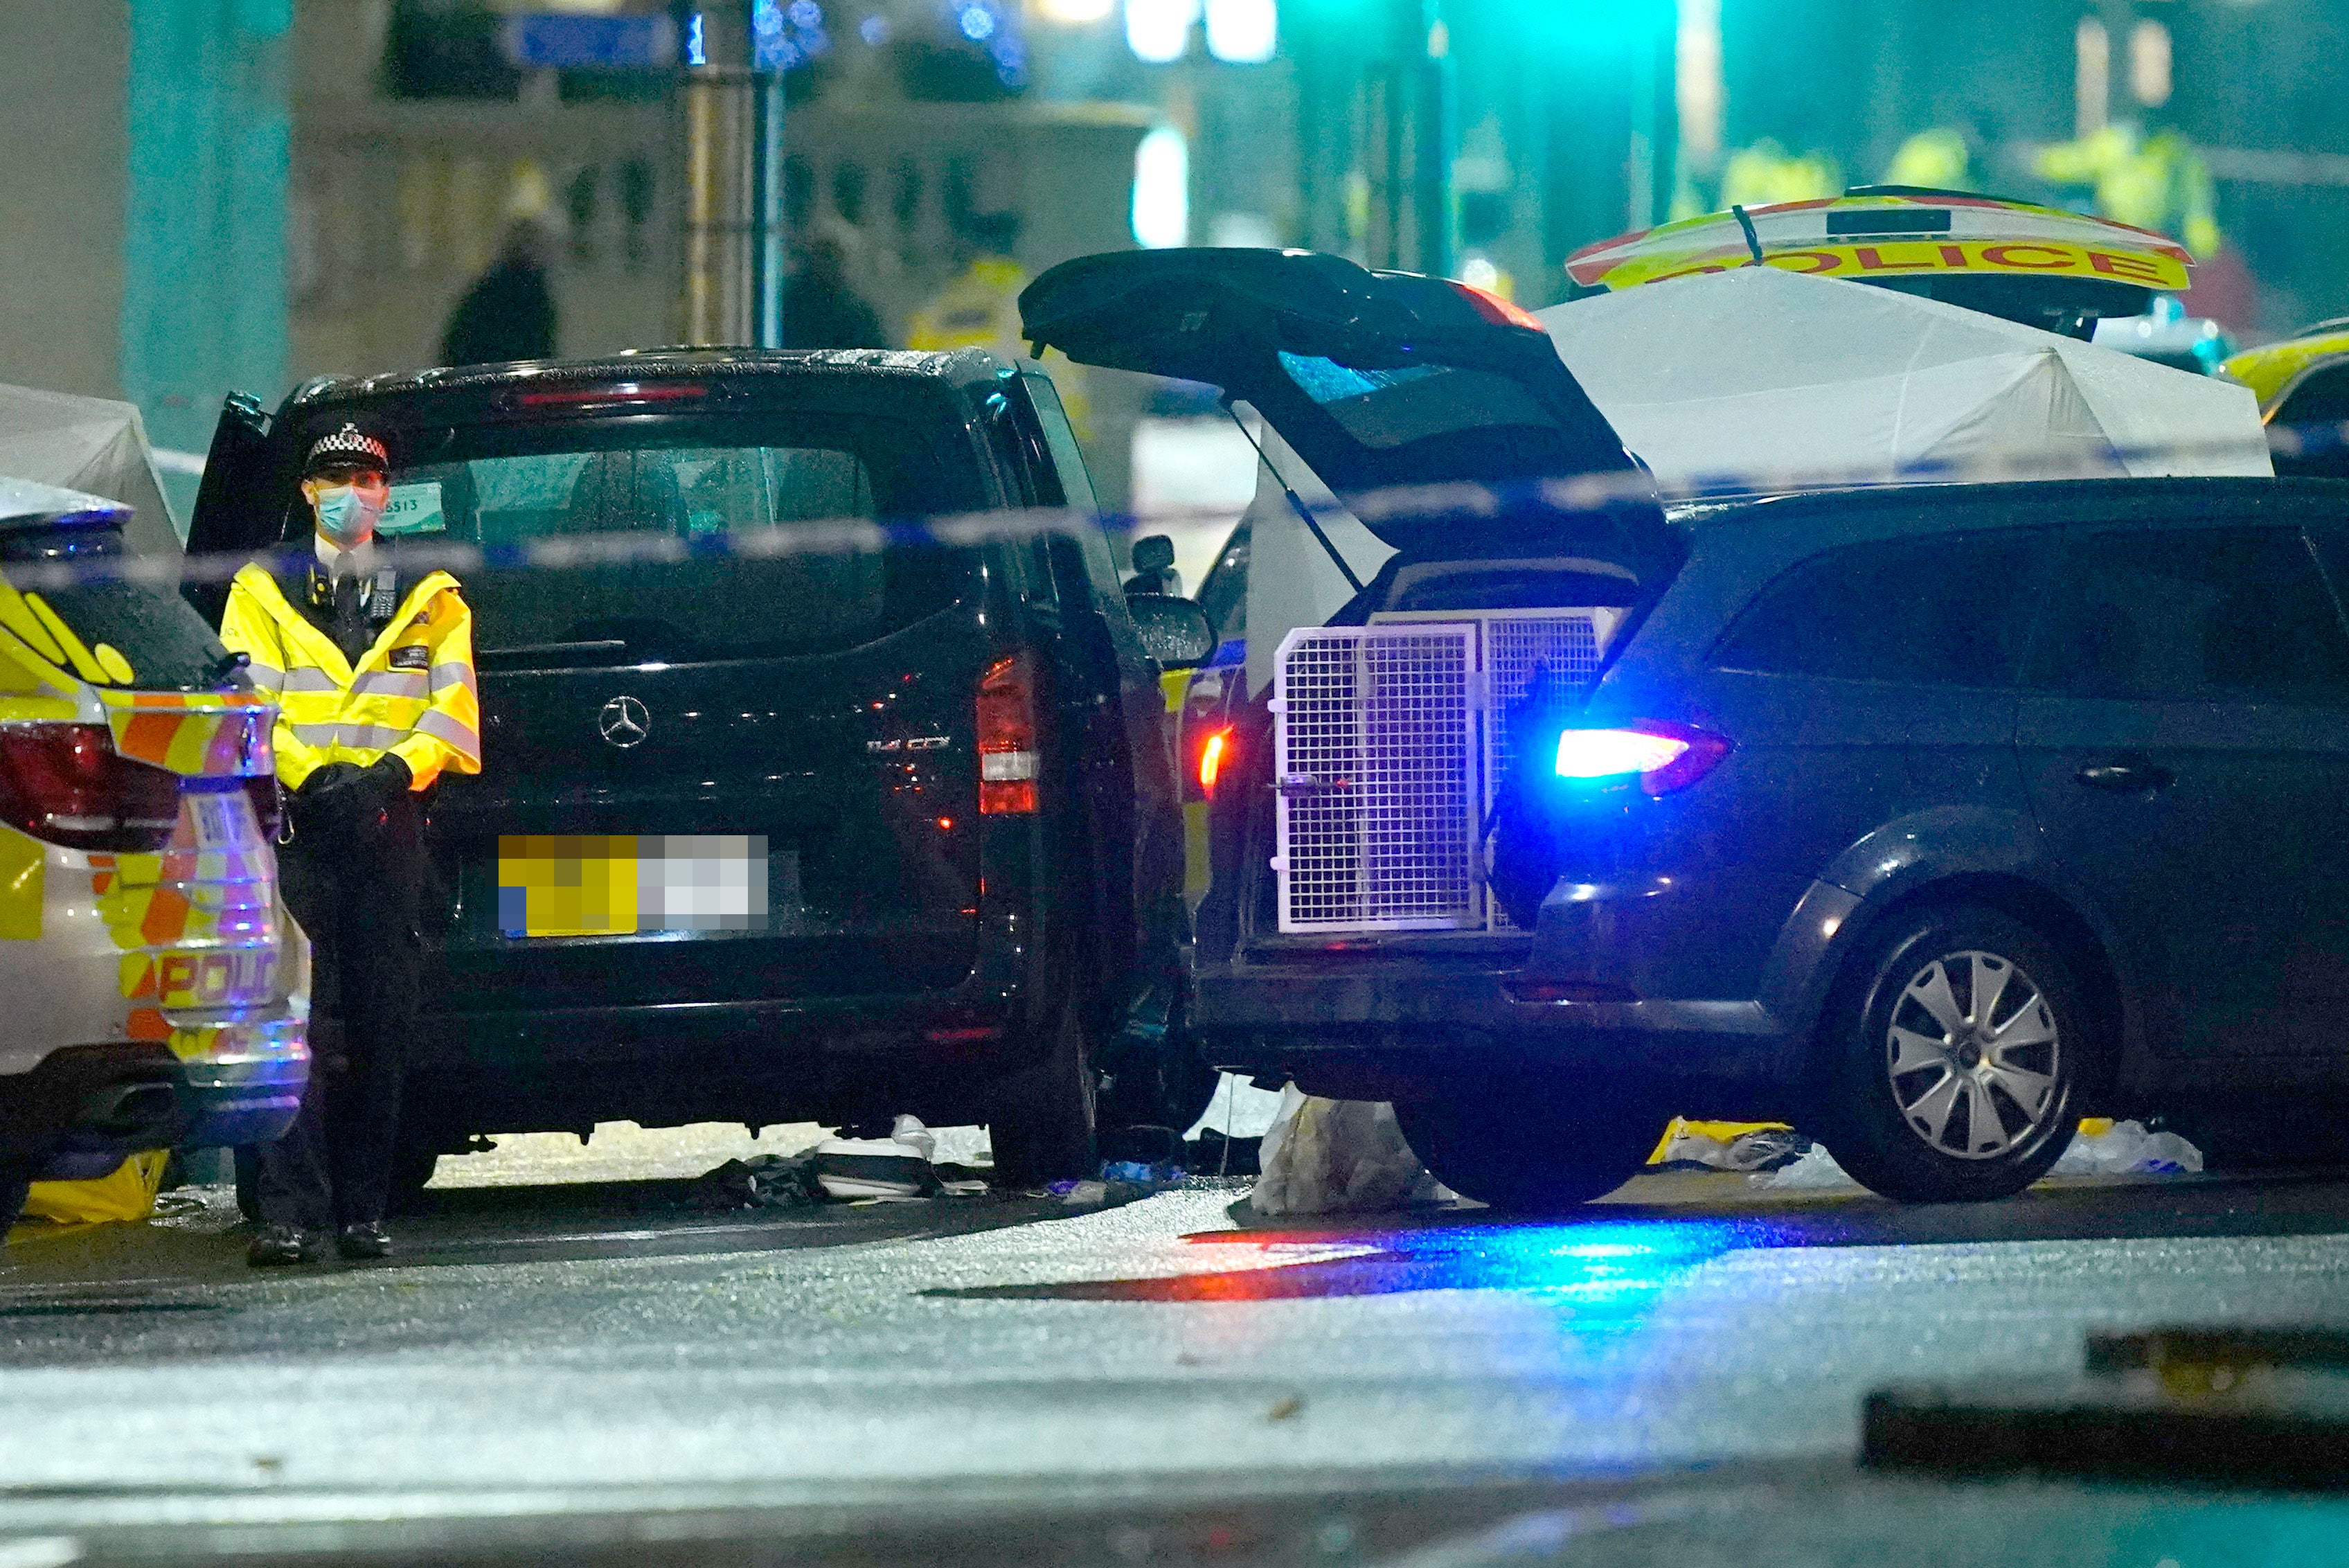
column 347, row 514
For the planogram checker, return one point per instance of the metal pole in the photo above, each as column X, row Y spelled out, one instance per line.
column 767, row 211
column 732, row 171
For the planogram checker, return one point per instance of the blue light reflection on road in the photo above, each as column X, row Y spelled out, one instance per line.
column 1613, row 1271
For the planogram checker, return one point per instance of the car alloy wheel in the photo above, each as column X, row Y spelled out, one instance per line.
column 1972, row 1051
column 1957, row 1048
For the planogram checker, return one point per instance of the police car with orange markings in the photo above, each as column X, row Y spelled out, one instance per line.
column 157, row 991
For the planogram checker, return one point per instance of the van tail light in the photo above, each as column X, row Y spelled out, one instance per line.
column 66, row 784
column 1497, row 310
column 1663, row 756
column 1006, row 736
column 1215, row 751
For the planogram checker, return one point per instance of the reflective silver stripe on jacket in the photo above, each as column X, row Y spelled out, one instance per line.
column 264, row 677
column 442, row 727
column 359, row 737
column 309, row 680
column 391, row 683
column 455, row 672
column 383, row 737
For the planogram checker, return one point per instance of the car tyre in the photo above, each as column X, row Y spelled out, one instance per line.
column 1954, row 1056
column 1045, row 1116
column 1532, row 1148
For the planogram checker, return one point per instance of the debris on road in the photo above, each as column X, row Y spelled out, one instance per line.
column 2126, row 1148
column 1816, row 1169
column 907, row 1164
column 895, row 1166
column 1767, row 1147
column 2100, row 1149
column 1339, row 1156
column 762, row 1181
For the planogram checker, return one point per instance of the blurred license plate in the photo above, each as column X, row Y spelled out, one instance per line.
column 223, row 820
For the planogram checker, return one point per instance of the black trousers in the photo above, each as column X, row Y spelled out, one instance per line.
column 359, row 899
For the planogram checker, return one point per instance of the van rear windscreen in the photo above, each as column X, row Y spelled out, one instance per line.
column 735, row 585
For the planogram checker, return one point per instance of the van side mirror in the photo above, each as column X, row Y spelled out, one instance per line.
column 1173, row 631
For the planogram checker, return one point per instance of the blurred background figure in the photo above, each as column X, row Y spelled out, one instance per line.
column 822, row 309
column 509, row 312
column 980, row 307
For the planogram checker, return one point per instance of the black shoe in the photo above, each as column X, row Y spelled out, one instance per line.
column 276, row 1245
column 361, row 1241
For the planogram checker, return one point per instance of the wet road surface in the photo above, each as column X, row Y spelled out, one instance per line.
column 609, row 1353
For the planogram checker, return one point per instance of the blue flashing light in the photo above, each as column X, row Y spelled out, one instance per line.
column 806, row 14
column 873, row 30
column 1615, row 753
column 978, row 24
column 696, row 52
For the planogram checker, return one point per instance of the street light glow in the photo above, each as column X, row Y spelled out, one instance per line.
column 1162, row 190
column 1243, row 32
column 1159, row 31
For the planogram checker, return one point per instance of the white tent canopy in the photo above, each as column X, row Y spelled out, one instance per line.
column 1760, row 378
column 90, row 444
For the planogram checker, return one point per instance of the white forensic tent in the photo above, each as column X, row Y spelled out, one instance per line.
column 91, row 444
column 1760, row 378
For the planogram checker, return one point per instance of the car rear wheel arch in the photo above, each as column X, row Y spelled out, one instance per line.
column 2030, row 903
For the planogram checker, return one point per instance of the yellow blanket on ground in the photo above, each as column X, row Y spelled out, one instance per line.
column 128, row 1193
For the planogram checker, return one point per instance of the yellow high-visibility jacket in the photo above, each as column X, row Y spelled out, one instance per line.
column 412, row 694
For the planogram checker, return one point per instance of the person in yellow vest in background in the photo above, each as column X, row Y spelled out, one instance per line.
column 979, row 308
column 375, row 679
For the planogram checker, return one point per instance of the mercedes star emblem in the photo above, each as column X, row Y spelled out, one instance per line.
column 624, row 723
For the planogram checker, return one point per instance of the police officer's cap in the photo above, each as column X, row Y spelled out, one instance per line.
column 348, row 448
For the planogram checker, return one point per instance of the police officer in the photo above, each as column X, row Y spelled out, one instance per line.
column 375, row 679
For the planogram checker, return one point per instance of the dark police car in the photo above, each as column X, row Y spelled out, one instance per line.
column 1929, row 818
column 788, row 811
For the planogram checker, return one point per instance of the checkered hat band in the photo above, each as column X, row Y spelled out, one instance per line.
column 350, row 441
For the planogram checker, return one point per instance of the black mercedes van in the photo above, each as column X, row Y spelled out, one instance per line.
column 796, row 803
